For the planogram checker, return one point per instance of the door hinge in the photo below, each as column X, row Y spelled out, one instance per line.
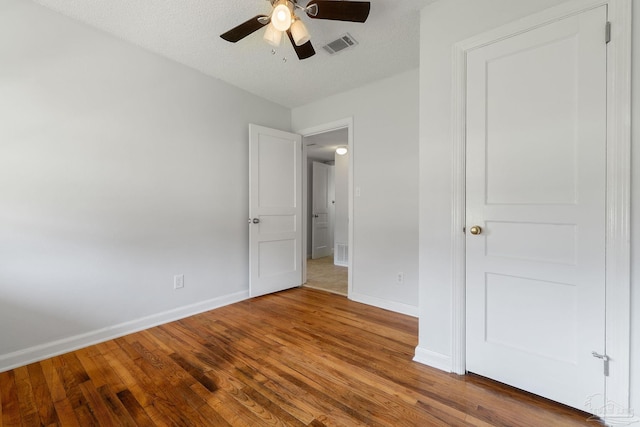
column 607, row 32
column 605, row 360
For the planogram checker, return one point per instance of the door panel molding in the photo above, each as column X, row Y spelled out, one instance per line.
column 618, row 286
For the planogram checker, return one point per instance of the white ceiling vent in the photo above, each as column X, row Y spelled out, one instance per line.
column 344, row 42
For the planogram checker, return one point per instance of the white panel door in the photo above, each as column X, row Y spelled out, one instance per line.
column 275, row 210
column 320, row 211
column 536, row 136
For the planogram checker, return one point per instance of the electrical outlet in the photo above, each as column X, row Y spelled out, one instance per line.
column 400, row 278
column 178, row 281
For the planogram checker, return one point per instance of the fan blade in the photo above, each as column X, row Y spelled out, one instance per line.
column 303, row 51
column 353, row 11
column 244, row 29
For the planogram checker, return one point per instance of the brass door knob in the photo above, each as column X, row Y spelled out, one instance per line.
column 475, row 230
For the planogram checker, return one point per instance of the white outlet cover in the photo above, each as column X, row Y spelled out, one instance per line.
column 178, row 281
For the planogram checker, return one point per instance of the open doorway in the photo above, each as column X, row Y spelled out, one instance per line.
column 327, row 230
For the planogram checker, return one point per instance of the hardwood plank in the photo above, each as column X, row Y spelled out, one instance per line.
column 322, row 376
column 133, row 408
column 224, row 364
column 28, row 409
column 66, row 414
column 42, row 395
column 97, row 406
column 181, row 404
column 228, row 394
column 200, row 367
column 98, row 370
column 70, row 379
column 85, row 416
column 115, row 407
column 151, row 397
column 9, row 398
column 56, row 389
column 298, row 391
column 223, row 367
column 296, row 358
column 272, row 407
column 195, row 372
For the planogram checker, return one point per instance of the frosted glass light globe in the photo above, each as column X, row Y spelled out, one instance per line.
column 272, row 36
column 299, row 32
column 281, row 16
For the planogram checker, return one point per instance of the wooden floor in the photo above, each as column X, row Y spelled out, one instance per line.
column 297, row 358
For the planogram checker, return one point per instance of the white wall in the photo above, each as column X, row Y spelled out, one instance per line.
column 385, row 152
column 118, row 169
column 442, row 25
column 341, row 228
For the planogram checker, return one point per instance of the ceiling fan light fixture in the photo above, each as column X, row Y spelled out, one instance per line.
column 282, row 15
column 299, row 32
column 272, row 35
column 283, row 19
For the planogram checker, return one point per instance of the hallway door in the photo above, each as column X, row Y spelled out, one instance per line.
column 321, row 227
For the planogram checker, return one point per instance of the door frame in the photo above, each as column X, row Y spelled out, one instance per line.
column 618, row 199
column 327, row 127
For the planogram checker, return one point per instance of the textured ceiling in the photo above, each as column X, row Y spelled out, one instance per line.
column 187, row 31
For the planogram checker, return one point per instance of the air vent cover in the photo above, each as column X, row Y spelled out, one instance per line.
column 344, row 42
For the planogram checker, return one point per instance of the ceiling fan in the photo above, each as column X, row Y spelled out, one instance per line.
column 283, row 19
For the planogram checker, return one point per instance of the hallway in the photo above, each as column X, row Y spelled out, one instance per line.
column 323, row 274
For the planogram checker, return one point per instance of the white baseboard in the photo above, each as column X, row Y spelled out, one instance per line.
column 54, row 348
column 433, row 359
column 621, row 419
column 398, row 307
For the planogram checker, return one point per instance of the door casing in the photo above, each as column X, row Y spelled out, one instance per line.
column 327, row 127
column 618, row 285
